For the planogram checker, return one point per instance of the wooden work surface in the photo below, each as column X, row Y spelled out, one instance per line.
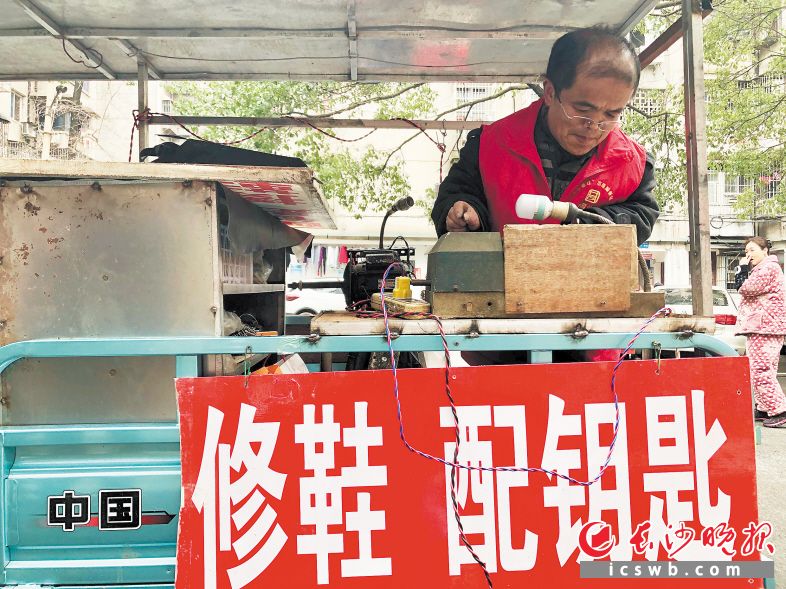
column 148, row 171
column 344, row 323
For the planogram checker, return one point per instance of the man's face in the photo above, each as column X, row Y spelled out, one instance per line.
column 599, row 99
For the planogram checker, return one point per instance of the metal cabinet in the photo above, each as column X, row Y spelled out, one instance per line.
column 85, row 259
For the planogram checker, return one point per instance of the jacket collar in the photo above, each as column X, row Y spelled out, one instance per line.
column 771, row 259
column 614, row 146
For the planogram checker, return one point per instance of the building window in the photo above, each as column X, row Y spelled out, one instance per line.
column 730, row 262
column 770, row 184
column 166, row 107
column 649, row 102
column 469, row 93
column 712, row 188
column 62, row 153
column 16, row 106
column 2, row 139
column 736, row 185
column 771, row 83
column 61, row 122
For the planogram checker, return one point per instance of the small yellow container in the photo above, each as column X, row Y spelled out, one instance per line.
column 402, row 288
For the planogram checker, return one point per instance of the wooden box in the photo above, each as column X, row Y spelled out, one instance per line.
column 569, row 269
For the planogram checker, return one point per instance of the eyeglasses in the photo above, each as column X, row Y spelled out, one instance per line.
column 590, row 123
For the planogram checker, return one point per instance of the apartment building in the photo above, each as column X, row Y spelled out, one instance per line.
column 70, row 120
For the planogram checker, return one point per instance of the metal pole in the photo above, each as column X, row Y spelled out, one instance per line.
column 666, row 39
column 696, row 149
column 46, row 132
column 142, row 77
column 320, row 122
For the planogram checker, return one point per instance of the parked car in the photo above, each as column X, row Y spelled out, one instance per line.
column 680, row 300
column 311, row 301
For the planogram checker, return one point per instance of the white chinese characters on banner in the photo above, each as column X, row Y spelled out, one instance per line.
column 667, row 437
column 480, row 486
column 236, row 489
column 667, row 445
column 613, row 496
column 321, row 495
column 215, row 495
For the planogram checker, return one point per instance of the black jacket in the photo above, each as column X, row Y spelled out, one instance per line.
column 464, row 182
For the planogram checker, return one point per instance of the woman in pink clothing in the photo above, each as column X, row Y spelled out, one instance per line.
column 762, row 318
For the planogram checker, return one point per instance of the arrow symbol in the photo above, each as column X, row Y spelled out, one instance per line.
column 149, row 518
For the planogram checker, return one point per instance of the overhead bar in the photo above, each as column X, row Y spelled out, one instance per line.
column 321, row 123
column 215, row 76
column 665, row 40
column 352, row 34
column 533, row 32
column 643, row 10
column 26, row 32
column 55, row 30
column 142, row 103
column 132, row 51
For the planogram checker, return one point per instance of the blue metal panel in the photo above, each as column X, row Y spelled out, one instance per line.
column 6, row 460
column 126, row 433
column 113, row 586
column 334, row 367
column 186, row 366
column 191, row 346
column 540, row 356
column 49, row 460
column 114, row 572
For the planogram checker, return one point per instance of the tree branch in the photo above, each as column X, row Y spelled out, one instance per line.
column 657, row 115
column 369, row 100
column 390, row 155
column 469, row 104
column 479, row 100
column 760, row 115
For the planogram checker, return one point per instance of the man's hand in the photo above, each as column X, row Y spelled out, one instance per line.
column 462, row 217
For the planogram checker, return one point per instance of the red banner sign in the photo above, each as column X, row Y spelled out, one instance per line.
column 303, row 480
column 292, row 204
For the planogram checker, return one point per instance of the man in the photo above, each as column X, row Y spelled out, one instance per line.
column 567, row 146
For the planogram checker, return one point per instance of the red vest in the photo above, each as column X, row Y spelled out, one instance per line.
column 510, row 166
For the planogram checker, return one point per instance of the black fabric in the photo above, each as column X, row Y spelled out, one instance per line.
column 465, row 183
column 205, row 152
column 741, row 275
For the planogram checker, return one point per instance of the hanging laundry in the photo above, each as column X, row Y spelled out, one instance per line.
column 332, row 258
column 343, row 256
column 321, row 260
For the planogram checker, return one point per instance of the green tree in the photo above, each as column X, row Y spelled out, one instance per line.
column 660, row 129
column 747, row 108
column 358, row 179
column 745, row 71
